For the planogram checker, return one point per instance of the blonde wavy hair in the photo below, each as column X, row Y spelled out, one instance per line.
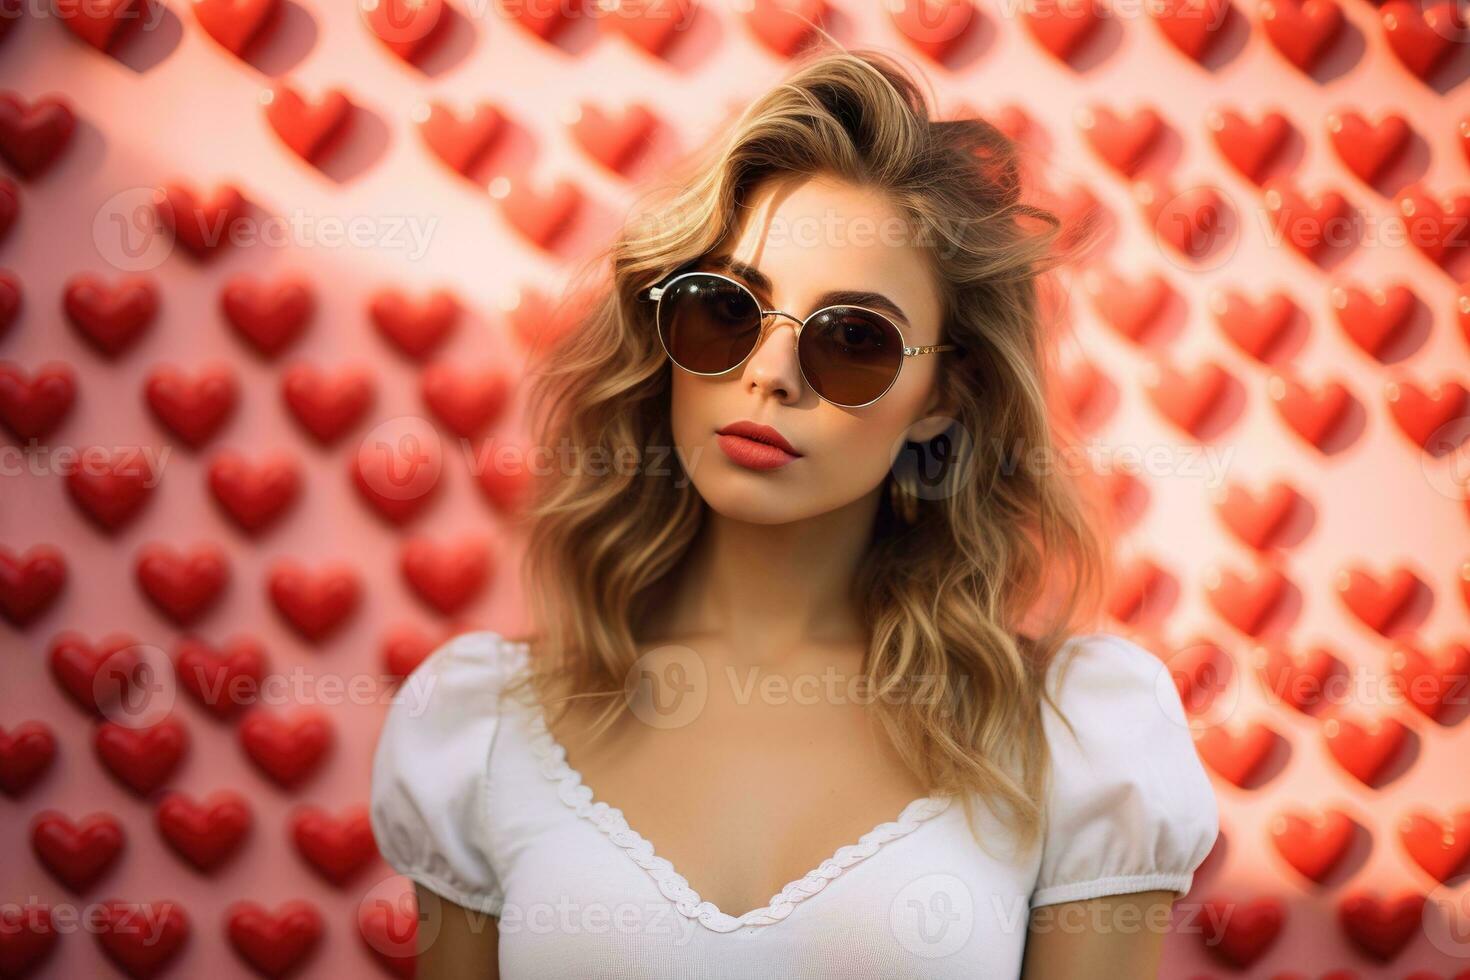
column 997, row 570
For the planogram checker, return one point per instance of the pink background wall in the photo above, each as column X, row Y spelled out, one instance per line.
column 168, row 103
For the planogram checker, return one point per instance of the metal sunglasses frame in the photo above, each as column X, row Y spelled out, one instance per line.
column 656, row 294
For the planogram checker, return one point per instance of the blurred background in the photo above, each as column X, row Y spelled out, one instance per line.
column 269, row 271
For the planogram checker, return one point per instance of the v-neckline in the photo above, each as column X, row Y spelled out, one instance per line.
column 573, row 791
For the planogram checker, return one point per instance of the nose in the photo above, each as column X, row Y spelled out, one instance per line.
column 775, row 369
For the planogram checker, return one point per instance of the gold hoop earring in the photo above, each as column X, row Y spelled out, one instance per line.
column 905, row 502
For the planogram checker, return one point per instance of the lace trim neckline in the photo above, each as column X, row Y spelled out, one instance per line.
column 573, row 791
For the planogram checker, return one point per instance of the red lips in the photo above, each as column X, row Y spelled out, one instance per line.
column 760, row 433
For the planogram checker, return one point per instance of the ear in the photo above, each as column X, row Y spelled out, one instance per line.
column 940, row 412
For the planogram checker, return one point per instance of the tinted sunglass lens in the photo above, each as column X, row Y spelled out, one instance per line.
column 708, row 324
column 850, row 356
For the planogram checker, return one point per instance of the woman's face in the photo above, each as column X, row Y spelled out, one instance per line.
column 807, row 237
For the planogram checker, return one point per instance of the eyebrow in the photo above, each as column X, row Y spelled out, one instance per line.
column 833, row 297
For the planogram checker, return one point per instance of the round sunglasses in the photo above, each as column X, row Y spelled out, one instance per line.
column 850, row 356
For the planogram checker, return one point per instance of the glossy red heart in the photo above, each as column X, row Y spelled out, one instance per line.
column 1422, row 39
column 1236, row 752
column 459, row 141
column 26, row 754
column 288, row 749
column 539, row 214
column 613, row 139
column 1129, row 306
column 1192, row 26
column 1313, row 225
column 77, row 854
column 405, row 647
column 1061, row 27
column 650, row 24
column 1258, row 328
column 1136, row 590
column 222, row 680
column 236, row 24
column 317, row 603
column 274, row 943
column 111, row 317
column 1376, row 319
column 1364, row 749
column 447, row 576
column 1192, row 221
column 142, row 758
column 1380, row 927
column 1378, row 602
column 935, row 27
column 254, row 494
column 1313, row 842
column 1258, row 519
column 1367, row 148
column 270, row 316
column 309, row 127
column 466, row 400
column 208, row 833
column 28, row 931
column 192, row 406
column 1423, row 415
column 94, row 674
column 184, row 585
column 110, row 485
column 1302, row 30
column 785, row 26
column 1250, row 147
column 1302, row 680
column 1188, row 397
column 508, row 487
column 1123, row 142
column 1314, row 413
column 142, row 938
column 336, row 846
column 1246, row 929
column 33, row 407
column 546, row 20
column 33, row 135
column 414, row 326
column 1434, row 681
column 326, row 404
column 408, row 28
column 1441, row 847
column 1201, row 671
column 1246, row 600
column 1439, row 227
column 201, row 225
column 102, row 23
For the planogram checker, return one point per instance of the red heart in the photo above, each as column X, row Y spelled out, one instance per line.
column 1436, row 227
column 405, row 647
column 545, row 20
column 1256, row 328
column 32, row 408
column 612, row 139
column 337, row 847
column 201, row 226
column 408, row 28
column 1249, row 147
column 183, row 586
column 1079, row 384
column 1378, row 603
column 1438, row 846
column 398, row 475
column 1137, row 588
column 269, row 316
column 1191, row 25
column 205, row 834
column 1258, row 519
column 1246, row 601
column 508, row 488
column 389, row 929
column 1373, row 320
column 1304, row 682
column 785, row 26
column 286, row 749
column 1313, row 843
column 1201, row 672
column 77, row 854
column 465, row 400
column 274, row 943
column 650, row 24
column 34, row 134
column 26, row 754
column 142, row 937
column 1380, row 927
column 1364, row 750
column 446, row 576
column 1422, row 414
column 1311, row 225
column 1060, row 26
column 193, row 408
column 236, row 24
column 1246, row 931
column 536, row 319
column 111, row 318
column 254, row 495
column 1462, row 306
column 1236, row 752
column 1129, row 306
column 316, row 603
column 1431, row 681
column 1192, row 222
column 221, row 680
column 1302, row 30
column 1122, row 142
column 143, row 758
column 10, row 295
column 102, row 23
column 27, row 931
column 459, row 142
column 1420, row 38
column 935, row 27
column 1367, row 148
column 539, row 216
column 110, row 486
column 1313, row 413
column 415, row 327
column 94, row 675
column 1189, row 397
column 327, row 405
column 308, row 128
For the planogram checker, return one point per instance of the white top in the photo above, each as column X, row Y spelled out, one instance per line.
column 473, row 799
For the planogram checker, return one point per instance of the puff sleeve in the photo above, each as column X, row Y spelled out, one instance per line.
column 1129, row 807
column 429, row 767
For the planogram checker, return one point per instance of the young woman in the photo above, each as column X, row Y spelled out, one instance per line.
column 813, row 691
